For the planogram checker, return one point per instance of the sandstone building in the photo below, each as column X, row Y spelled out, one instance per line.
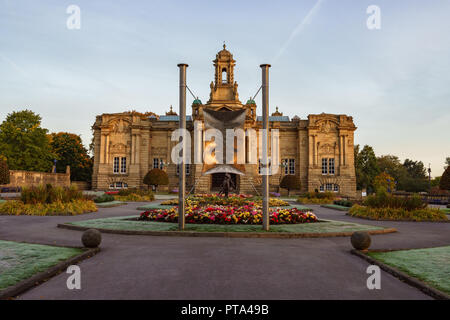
column 318, row 150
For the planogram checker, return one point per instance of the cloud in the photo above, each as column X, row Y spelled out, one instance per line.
column 299, row 28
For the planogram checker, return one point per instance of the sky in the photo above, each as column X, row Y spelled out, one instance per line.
column 394, row 81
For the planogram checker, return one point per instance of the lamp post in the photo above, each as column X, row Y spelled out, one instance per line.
column 182, row 182
column 429, row 176
column 265, row 145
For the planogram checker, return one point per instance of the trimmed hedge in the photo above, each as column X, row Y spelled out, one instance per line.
column 104, row 198
column 397, row 214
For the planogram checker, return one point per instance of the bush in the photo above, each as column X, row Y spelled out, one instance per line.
column 49, row 194
column 389, row 213
column 74, row 207
column 384, row 200
column 4, row 171
column 104, row 198
column 343, row 203
column 444, row 184
column 156, row 177
column 290, row 182
column 317, row 197
column 135, row 195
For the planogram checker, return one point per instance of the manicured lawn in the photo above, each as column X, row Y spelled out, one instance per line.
column 19, row 261
column 110, row 204
column 429, row 265
column 446, row 210
column 122, row 223
column 335, row 207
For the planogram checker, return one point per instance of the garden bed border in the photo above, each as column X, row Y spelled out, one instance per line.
column 35, row 280
column 432, row 292
column 277, row 235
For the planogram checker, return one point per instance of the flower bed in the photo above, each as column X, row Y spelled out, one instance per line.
column 217, row 214
column 232, row 200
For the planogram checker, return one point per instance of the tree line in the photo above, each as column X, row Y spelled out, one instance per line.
column 409, row 175
column 27, row 146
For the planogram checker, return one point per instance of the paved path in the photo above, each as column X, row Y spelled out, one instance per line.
column 146, row 267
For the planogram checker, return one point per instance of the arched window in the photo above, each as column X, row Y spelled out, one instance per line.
column 224, row 75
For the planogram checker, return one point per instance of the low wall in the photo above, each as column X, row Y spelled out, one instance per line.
column 81, row 185
column 20, row 178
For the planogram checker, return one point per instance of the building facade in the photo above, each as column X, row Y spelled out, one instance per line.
column 318, row 151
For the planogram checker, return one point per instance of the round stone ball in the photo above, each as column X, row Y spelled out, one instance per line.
column 91, row 238
column 360, row 240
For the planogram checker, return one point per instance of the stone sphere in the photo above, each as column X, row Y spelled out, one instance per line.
column 91, row 238
column 360, row 240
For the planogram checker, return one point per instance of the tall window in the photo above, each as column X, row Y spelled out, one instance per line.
column 123, row 165
column 291, row 166
column 331, row 166
column 324, row 165
column 120, row 165
column 187, row 169
column 155, row 163
column 116, row 165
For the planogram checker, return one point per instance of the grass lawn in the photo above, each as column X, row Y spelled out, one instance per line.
column 121, row 223
column 335, row 207
column 110, row 204
column 446, row 210
column 19, row 261
column 1, row 200
column 429, row 265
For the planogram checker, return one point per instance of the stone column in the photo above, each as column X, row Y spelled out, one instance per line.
column 138, row 149
column 107, row 149
column 133, row 148
column 102, row 148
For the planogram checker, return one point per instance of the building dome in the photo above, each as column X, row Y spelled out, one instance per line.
column 197, row 101
column 251, row 101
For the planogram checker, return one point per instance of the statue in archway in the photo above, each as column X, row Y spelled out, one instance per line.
column 227, row 184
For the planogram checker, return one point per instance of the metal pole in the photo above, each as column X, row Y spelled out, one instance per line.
column 265, row 145
column 182, row 185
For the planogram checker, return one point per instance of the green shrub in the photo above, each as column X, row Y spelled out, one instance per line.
column 344, row 203
column 382, row 199
column 49, row 194
column 4, row 171
column 104, row 198
column 156, row 177
column 389, row 213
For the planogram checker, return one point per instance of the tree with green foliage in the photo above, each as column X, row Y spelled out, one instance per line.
column 70, row 151
column 156, row 177
column 290, row 182
column 445, row 180
column 366, row 167
column 24, row 143
column 384, row 181
column 4, row 171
